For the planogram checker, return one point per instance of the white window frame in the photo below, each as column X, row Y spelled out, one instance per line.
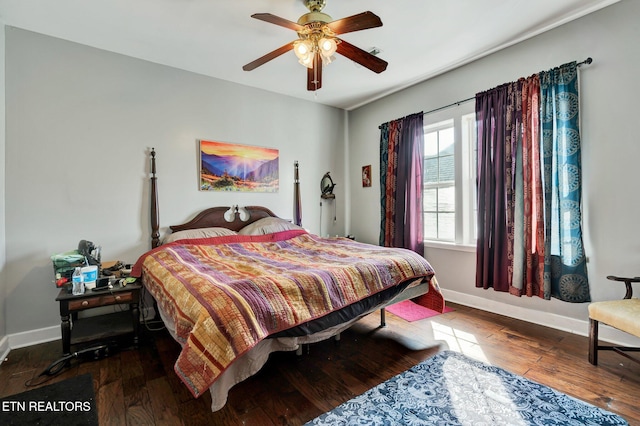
column 464, row 123
column 436, row 128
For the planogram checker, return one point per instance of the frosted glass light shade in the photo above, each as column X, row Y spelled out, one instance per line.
column 304, row 51
column 328, row 46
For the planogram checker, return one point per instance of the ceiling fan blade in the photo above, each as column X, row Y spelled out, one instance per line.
column 273, row 19
column 361, row 21
column 269, row 56
column 314, row 75
column 362, row 57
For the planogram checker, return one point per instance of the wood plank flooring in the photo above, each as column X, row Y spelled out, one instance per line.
column 139, row 387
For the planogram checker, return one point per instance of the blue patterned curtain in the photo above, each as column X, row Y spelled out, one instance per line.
column 565, row 266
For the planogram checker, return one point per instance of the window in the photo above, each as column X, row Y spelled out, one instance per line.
column 439, row 203
column 449, row 176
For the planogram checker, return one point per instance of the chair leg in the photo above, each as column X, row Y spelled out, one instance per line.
column 593, row 341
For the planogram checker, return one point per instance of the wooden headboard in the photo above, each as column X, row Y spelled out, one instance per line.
column 215, row 216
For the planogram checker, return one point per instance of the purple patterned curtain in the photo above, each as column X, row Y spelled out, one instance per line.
column 401, row 158
column 494, row 177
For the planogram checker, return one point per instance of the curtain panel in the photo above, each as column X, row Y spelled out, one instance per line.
column 565, row 264
column 401, row 186
column 493, row 265
column 529, row 188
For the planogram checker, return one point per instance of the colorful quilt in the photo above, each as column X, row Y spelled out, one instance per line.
column 226, row 294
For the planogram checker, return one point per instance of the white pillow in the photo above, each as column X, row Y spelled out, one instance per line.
column 268, row 225
column 189, row 234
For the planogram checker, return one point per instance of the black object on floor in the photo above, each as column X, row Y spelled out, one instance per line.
column 69, row 402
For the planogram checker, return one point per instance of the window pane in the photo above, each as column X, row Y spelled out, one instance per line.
column 447, row 226
column 446, row 141
column 431, row 144
column 447, row 169
column 431, row 170
column 430, row 200
column 431, row 226
column 447, row 199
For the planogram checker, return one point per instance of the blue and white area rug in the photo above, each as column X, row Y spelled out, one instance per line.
column 452, row 389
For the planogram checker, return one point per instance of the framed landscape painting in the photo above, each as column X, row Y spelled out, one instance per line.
column 240, row 168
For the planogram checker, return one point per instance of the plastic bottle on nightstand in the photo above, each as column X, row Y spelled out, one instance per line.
column 77, row 282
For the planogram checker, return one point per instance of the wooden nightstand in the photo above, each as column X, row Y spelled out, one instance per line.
column 99, row 327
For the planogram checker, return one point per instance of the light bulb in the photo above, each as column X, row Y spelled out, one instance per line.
column 302, row 48
column 304, row 51
column 328, row 46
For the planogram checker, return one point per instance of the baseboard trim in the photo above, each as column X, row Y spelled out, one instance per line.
column 4, row 348
column 34, row 337
column 555, row 321
column 44, row 335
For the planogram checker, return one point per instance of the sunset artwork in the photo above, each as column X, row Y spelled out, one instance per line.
column 239, row 168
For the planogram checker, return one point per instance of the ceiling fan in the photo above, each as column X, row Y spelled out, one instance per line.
column 317, row 41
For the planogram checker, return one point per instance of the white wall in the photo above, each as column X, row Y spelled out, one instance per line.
column 609, row 91
column 80, row 123
column 3, row 254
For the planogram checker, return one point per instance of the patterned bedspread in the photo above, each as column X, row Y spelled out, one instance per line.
column 226, row 294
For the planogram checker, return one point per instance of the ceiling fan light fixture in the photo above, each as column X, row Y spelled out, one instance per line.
column 328, row 46
column 304, row 51
column 307, row 61
column 318, row 41
column 302, row 48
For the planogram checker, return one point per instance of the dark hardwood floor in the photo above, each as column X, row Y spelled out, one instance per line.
column 139, row 387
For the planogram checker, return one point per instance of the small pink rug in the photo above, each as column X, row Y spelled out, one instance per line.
column 411, row 311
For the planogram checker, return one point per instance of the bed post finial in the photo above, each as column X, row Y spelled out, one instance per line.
column 297, row 203
column 155, row 217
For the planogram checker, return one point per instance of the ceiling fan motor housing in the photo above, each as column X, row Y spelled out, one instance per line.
column 315, row 14
column 311, row 17
column 314, row 5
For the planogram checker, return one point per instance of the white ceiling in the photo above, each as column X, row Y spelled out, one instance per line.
column 419, row 38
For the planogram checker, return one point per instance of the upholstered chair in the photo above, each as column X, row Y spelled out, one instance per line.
column 621, row 314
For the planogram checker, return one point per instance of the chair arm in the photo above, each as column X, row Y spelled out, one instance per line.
column 627, row 282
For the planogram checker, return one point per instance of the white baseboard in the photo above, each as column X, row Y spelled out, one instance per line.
column 4, row 348
column 558, row 322
column 42, row 335
column 34, row 337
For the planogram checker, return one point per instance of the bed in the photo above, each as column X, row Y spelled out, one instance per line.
column 235, row 284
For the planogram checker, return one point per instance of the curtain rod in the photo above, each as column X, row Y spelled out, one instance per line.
column 585, row 62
